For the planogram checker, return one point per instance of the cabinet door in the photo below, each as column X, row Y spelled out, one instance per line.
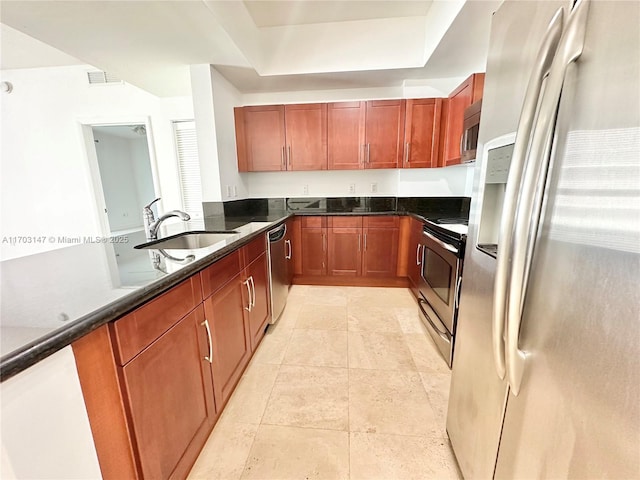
column 260, row 138
column 230, row 337
column 314, row 251
column 453, row 117
column 384, row 133
column 171, row 398
column 259, row 314
column 415, row 254
column 380, row 257
column 306, row 136
column 344, row 255
column 422, row 133
column 346, row 124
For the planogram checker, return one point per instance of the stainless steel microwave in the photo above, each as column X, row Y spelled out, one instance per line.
column 470, row 129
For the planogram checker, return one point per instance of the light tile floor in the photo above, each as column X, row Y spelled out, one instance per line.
column 346, row 385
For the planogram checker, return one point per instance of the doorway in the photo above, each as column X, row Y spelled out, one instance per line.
column 124, row 174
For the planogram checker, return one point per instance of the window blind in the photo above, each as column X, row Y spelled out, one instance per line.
column 189, row 167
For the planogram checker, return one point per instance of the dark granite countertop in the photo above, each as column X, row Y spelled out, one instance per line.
column 53, row 298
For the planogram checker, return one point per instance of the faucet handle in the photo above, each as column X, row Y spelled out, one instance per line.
column 154, row 201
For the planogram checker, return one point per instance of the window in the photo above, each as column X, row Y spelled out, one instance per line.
column 189, row 167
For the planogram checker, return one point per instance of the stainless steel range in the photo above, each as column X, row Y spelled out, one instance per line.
column 443, row 244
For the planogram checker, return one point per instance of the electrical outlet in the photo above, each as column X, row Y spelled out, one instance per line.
column 374, row 187
column 352, row 188
column 305, row 189
column 228, row 187
column 235, row 191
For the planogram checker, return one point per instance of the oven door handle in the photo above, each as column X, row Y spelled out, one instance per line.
column 445, row 335
column 444, row 245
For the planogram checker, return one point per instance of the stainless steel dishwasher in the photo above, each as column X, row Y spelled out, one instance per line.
column 278, row 278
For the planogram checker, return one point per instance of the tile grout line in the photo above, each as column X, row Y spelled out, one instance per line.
column 346, row 308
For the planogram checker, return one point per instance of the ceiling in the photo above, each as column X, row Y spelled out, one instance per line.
column 259, row 46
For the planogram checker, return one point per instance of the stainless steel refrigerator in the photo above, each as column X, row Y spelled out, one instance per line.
column 546, row 371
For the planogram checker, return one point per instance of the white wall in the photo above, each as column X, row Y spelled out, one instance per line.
column 118, row 181
column 46, row 187
column 141, row 164
column 45, row 427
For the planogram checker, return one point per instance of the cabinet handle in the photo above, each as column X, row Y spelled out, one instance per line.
column 253, row 289
column 206, row 326
column 288, row 244
column 289, row 156
column 246, row 282
column 418, row 255
column 407, row 146
column 359, row 241
column 283, row 165
column 368, row 153
column 324, row 242
column 461, row 140
column 365, row 242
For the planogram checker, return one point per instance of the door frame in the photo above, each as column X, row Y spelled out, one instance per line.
column 85, row 125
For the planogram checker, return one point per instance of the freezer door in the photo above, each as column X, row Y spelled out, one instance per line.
column 477, row 397
column 577, row 414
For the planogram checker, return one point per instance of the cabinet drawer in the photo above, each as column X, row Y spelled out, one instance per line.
column 345, row 222
column 220, row 273
column 390, row 221
column 314, row 222
column 254, row 249
column 140, row 328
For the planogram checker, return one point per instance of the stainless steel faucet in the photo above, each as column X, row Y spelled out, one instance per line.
column 151, row 225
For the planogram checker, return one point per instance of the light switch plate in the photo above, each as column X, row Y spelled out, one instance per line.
column 305, row 189
column 352, row 188
column 374, row 187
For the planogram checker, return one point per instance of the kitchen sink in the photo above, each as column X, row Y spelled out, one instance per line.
column 188, row 240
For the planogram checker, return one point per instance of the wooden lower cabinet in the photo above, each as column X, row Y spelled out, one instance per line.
column 344, row 251
column 415, row 254
column 314, row 251
column 170, row 394
column 230, row 337
column 356, row 250
column 257, row 295
column 380, row 256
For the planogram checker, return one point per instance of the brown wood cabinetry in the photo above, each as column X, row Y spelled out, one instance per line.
column 306, row 136
column 380, row 246
column 257, row 298
column 231, row 346
column 344, row 249
column 384, row 133
column 356, row 247
column 156, row 380
column 260, row 138
column 313, row 243
column 422, row 133
column 415, row 254
column 170, row 395
column 346, row 124
column 291, row 242
column 281, row 137
column 468, row 92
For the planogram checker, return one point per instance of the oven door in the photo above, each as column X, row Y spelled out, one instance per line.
column 438, row 332
column 439, row 278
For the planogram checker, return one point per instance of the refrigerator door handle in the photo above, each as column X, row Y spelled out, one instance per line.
column 528, row 118
column 533, row 186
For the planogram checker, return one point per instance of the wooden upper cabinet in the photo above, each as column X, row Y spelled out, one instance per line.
column 260, row 138
column 468, row 92
column 384, row 130
column 306, row 136
column 422, row 133
column 281, row 137
column 345, row 125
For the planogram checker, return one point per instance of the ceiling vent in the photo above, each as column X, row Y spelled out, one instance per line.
column 102, row 78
